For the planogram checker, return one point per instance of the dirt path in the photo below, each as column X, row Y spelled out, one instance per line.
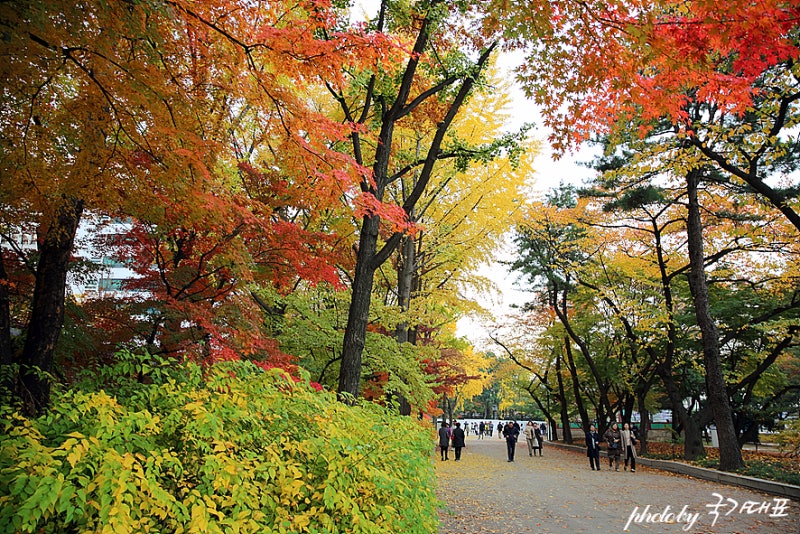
column 557, row 492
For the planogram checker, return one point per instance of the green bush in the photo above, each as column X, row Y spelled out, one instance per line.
column 231, row 448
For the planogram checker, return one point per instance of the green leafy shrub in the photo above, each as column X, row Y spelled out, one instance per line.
column 231, row 448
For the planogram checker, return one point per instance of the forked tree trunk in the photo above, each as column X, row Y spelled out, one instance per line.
column 368, row 258
column 47, row 308
column 692, row 433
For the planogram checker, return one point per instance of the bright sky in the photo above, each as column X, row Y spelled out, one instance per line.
column 549, row 173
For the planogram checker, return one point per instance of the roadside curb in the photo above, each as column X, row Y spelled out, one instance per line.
column 758, row 484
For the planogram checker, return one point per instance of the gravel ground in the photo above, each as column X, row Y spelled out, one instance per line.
column 557, row 492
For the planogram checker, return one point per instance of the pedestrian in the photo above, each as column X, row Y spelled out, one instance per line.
column 593, row 448
column 530, row 437
column 511, row 434
column 543, row 428
column 481, row 429
column 613, row 439
column 490, row 427
column 500, row 429
column 458, row 441
column 444, row 440
column 537, row 432
column 629, row 446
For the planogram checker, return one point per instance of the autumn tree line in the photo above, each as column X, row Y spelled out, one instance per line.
column 669, row 279
column 307, row 192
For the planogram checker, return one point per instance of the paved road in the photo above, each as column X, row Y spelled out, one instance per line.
column 557, row 492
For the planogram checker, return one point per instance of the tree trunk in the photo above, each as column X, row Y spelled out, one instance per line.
column 576, row 389
column 563, row 403
column 358, row 314
column 644, row 419
column 730, row 456
column 692, row 433
column 405, row 277
column 47, row 308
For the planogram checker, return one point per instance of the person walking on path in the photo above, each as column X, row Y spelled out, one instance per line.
column 593, row 448
column 511, row 434
column 530, row 437
column 537, row 433
column 500, row 429
column 613, row 439
column 629, row 446
column 444, row 440
column 458, row 440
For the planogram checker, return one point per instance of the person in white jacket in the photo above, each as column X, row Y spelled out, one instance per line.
column 629, row 446
column 530, row 437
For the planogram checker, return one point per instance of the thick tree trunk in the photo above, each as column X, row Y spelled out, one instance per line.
column 730, row 455
column 47, row 308
column 358, row 314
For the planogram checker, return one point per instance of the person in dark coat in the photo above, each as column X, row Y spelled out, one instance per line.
column 511, row 434
column 458, row 440
column 613, row 439
column 593, row 448
column 444, row 440
column 537, row 432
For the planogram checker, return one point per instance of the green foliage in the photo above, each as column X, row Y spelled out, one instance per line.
column 230, row 448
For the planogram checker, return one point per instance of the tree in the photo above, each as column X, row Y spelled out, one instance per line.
column 645, row 191
column 435, row 83
column 134, row 111
column 626, row 66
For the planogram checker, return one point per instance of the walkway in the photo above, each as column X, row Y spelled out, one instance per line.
column 483, row 493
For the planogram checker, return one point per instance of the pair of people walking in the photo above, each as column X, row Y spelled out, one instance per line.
column 456, row 435
column 618, row 442
column 534, row 437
